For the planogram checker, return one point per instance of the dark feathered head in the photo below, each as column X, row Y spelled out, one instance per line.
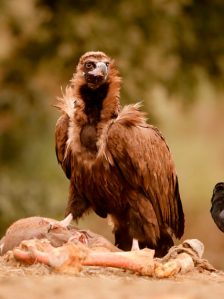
column 95, row 69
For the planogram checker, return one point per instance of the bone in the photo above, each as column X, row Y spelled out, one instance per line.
column 67, row 249
column 74, row 256
column 196, row 245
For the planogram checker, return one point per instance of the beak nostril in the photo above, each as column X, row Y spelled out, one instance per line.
column 102, row 66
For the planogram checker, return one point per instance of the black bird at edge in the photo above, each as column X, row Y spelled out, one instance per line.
column 217, row 209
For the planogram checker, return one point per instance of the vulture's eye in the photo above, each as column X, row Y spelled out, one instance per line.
column 107, row 63
column 89, row 65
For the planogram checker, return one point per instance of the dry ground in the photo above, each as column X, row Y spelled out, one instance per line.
column 39, row 281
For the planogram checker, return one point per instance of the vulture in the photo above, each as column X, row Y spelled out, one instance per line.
column 217, row 208
column 118, row 165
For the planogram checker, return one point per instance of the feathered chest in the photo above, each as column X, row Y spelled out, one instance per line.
column 95, row 178
column 88, row 138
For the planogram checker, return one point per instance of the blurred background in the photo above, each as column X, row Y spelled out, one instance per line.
column 170, row 55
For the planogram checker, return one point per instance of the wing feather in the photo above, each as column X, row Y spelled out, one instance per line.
column 145, row 161
column 66, row 104
column 61, row 137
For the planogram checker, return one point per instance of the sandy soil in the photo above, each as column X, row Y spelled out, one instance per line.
column 38, row 281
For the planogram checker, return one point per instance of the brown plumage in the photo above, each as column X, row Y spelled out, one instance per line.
column 117, row 164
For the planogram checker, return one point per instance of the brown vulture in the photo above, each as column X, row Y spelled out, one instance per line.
column 117, row 164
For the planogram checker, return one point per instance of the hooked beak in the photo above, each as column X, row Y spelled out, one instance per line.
column 97, row 76
column 100, row 70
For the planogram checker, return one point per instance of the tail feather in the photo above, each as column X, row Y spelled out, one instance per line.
column 179, row 226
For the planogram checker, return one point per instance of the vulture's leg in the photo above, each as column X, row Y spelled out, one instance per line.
column 123, row 240
column 135, row 245
column 76, row 205
column 71, row 255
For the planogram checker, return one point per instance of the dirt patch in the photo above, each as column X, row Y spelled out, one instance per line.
column 39, row 281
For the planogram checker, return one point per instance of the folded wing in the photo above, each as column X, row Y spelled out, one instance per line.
column 145, row 161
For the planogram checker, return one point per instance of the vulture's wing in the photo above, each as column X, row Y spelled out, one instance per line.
column 61, row 136
column 66, row 105
column 144, row 160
